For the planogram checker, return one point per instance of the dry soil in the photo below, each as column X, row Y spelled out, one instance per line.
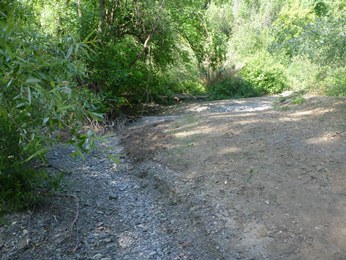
column 264, row 179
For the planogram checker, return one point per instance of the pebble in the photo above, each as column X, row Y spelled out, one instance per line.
column 113, row 197
column 97, row 256
column 108, row 240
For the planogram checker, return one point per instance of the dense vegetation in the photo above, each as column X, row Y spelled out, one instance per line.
column 64, row 63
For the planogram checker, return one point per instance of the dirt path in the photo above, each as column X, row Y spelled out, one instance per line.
column 230, row 179
column 264, row 183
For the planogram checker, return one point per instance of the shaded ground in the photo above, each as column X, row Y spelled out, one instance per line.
column 263, row 183
column 230, row 179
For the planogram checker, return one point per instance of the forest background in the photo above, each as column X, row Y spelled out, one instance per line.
column 65, row 63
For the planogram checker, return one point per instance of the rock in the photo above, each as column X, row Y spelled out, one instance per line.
column 97, row 256
column 113, row 197
column 320, row 168
column 108, row 240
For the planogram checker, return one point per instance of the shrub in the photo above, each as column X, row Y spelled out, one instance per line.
column 38, row 94
column 265, row 75
column 189, row 87
column 20, row 184
column 235, row 87
column 303, row 74
column 337, row 83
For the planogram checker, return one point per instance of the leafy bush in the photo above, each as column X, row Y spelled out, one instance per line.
column 116, row 70
column 303, row 74
column 38, row 91
column 337, row 83
column 298, row 100
column 20, row 185
column 236, row 87
column 38, row 94
column 189, row 87
column 265, row 75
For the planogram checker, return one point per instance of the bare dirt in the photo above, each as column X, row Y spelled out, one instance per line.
column 259, row 182
column 238, row 179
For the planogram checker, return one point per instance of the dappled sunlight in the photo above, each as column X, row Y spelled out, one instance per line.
column 228, row 150
column 229, row 115
column 190, row 133
column 268, row 164
column 302, row 115
column 324, row 138
column 206, row 130
column 314, row 112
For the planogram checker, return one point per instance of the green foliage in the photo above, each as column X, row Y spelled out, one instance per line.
column 38, row 94
column 232, row 88
column 266, row 75
column 193, row 87
column 119, row 75
column 143, row 50
column 20, row 185
column 289, row 26
column 298, row 100
column 303, row 74
column 56, row 17
column 335, row 83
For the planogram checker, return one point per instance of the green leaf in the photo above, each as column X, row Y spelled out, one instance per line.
column 96, row 116
column 29, row 95
column 32, row 80
column 88, row 36
column 10, row 82
column 37, row 153
column 69, row 52
column 45, row 120
column 20, row 105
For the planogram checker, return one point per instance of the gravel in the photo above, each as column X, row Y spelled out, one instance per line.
column 118, row 209
column 122, row 211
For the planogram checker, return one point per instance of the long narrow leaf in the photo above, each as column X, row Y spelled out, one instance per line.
column 29, row 95
column 32, row 80
column 69, row 52
column 37, row 153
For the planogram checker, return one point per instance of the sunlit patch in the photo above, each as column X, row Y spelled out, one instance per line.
column 198, row 109
column 228, row 150
column 314, row 112
column 188, row 133
column 327, row 137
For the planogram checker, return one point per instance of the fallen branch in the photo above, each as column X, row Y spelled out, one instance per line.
column 74, row 222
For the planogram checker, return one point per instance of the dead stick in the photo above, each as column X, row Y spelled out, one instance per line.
column 74, row 222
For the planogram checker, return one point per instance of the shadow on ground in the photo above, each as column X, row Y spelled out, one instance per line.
column 265, row 183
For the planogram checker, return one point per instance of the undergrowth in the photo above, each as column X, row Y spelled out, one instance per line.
column 234, row 87
column 21, row 185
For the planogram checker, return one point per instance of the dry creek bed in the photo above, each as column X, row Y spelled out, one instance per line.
column 233, row 179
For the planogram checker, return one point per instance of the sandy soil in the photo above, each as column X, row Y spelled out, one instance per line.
column 263, row 183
